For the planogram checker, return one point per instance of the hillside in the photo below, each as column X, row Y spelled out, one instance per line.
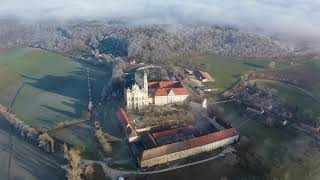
column 306, row 76
column 43, row 88
column 149, row 43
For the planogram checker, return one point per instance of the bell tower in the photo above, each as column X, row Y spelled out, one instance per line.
column 145, row 82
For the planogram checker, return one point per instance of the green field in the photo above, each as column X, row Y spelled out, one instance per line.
column 287, row 153
column 43, row 87
column 293, row 96
column 227, row 71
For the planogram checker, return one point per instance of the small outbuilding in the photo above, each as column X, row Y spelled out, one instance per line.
column 204, row 76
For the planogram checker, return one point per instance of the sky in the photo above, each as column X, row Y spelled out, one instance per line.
column 294, row 18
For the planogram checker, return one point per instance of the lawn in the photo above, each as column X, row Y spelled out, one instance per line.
column 227, row 70
column 43, row 87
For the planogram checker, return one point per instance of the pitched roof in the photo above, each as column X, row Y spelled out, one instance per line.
column 126, row 122
column 188, row 144
column 166, row 91
column 123, row 117
column 205, row 75
column 165, row 84
column 171, row 132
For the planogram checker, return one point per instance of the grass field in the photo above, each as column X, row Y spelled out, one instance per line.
column 45, row 88
column 227, row 70
column 293, row 96
column 286, row 152
column 305, row 75
column 27, row 161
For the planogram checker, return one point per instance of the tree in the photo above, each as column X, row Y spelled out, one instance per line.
column 75, row 170
column 89, row 171
column 65, row 151
column 104, row 142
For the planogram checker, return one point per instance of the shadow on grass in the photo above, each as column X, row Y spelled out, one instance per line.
column 71, row 88
column 253, row 65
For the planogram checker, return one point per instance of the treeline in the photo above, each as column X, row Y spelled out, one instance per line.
column 152, row 43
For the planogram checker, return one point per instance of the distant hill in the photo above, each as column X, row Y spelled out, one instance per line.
column 150, row 43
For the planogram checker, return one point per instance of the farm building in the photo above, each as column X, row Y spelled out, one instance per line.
column 204, row 76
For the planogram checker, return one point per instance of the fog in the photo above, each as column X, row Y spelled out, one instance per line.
column 295, row 19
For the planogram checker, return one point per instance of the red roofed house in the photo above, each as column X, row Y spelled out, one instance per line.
column 158, row 93
column 204, row 76
column 190, row 147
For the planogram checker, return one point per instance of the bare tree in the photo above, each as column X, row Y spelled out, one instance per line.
column 104, row 142
column 89, row 171
column 75, row 170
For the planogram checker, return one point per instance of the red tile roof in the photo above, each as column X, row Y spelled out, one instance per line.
column 163, row 88
column 126, row 122
column 205, row 75
column 188, row 144
column 164, row 84
column 123, row 117
column 166, row 91
column 161, row 134
column 171, row 132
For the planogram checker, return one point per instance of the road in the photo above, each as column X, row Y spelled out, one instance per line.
column 23, row 161
column 115, row 173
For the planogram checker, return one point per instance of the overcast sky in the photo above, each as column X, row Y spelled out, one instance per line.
column 298, row 18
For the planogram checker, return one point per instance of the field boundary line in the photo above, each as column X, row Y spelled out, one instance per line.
column 293, row 85
column 59, row 127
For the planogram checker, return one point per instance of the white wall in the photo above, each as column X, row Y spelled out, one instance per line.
column 163, row 100
column 188, row 152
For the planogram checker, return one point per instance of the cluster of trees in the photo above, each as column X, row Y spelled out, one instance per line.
column 25, row 130
column 74, row 170
column 148, row 43
column 104, row 142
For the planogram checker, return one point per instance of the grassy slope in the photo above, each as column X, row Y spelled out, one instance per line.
column 53, row 87
column 54, row 90
column 227, row 70
column 294, row 97
column 285, row 151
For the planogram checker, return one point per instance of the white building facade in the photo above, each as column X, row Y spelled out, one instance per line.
column 165, row 93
